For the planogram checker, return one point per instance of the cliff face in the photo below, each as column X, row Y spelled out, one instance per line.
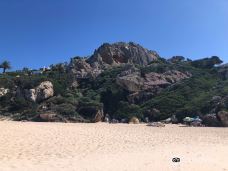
column 122, row 53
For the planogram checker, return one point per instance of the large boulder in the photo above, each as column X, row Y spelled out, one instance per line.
column 211, row 120
column 122, row 53
column 42, row 92
column 223, row 117
column 3, row 91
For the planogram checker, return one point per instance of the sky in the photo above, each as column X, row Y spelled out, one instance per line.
column 37, row 33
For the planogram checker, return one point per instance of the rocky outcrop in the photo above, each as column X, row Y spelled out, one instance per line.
column 80, row 69
column 134, row 81
column 164, row 79
column 110, row 55
column 3, row 91
column 223, row 117
column 122, row 53
column 42, row 92
column 107, row 56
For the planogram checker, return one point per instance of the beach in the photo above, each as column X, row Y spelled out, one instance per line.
column 111, row 147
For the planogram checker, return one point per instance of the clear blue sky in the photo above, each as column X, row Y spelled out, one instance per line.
column 36, row 33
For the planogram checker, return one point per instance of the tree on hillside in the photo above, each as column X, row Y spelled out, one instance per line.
column 5, row 65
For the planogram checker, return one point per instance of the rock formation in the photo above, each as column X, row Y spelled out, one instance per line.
column 134, row 81
column 110, row 55
column 122, row 53
column 42, row 92
column 80, row 69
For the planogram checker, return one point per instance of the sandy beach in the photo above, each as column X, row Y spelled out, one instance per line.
column 60, row 146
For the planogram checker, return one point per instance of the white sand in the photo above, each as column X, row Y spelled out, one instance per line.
column 60, row 146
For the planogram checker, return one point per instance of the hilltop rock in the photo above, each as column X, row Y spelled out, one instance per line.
column 110, row 55
column 122, row 53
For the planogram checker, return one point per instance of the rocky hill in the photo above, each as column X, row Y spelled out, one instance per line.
column 122, row 53
column 119, row 81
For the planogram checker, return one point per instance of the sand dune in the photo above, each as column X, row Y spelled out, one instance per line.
column 59, row 146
